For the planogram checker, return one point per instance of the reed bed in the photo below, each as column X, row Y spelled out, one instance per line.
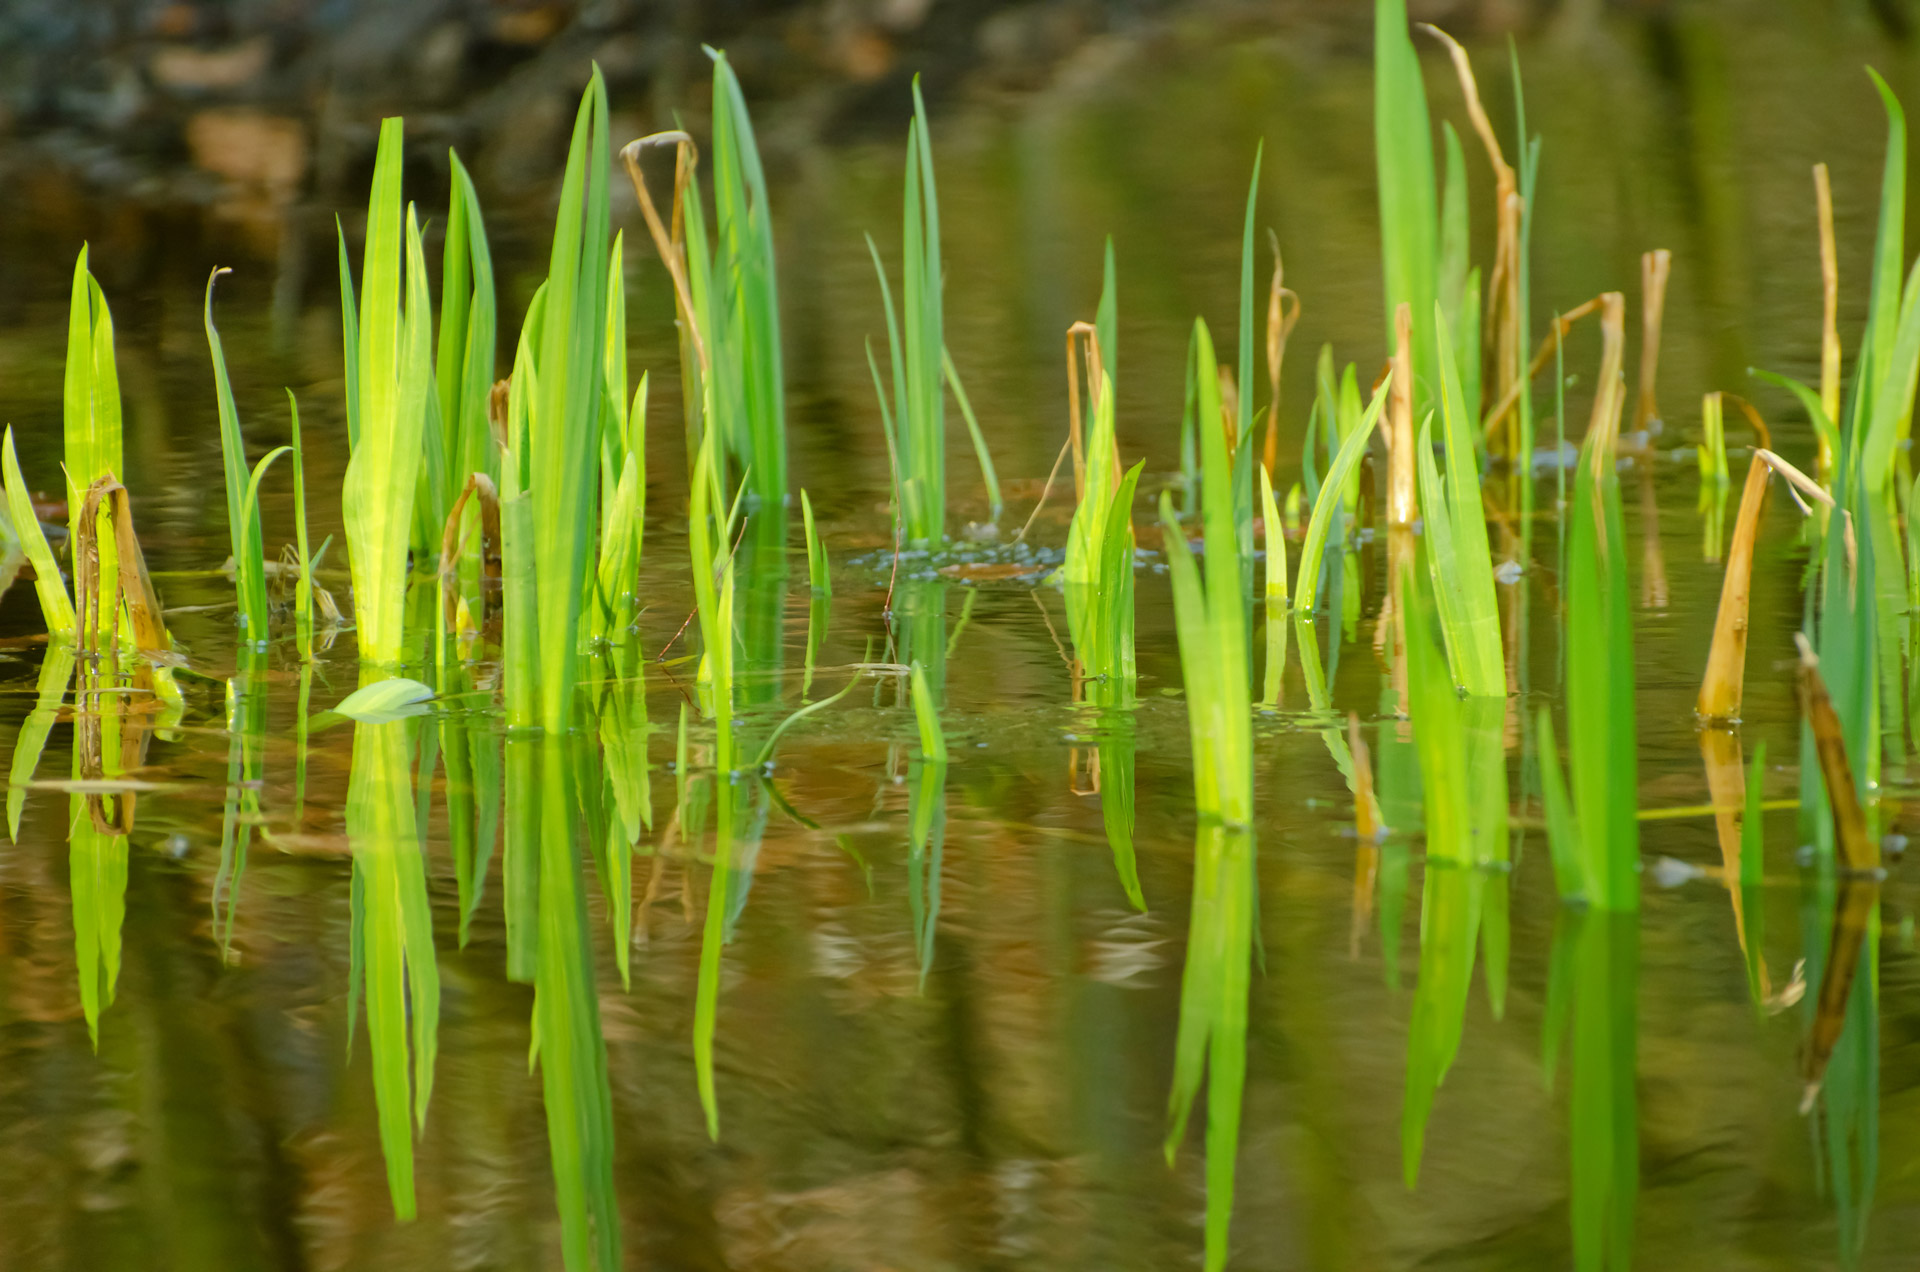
column 495, row 532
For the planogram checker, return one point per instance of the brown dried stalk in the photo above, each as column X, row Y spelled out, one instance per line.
column 1655, row 266
column 478, row 484
column 1089, row 338
column 1610, row 393
column 1402, row 507
column 1830, row 315
column 1557, row 333
column 1505, row 341
column 1763, row 436
column 1727, row 786
column 1280, row 321
column 1855, row 903
column 670, row 243
column 1229, row 406
column 132, row 587
column 1856, row 850
column 1722, row 687
column 1367, row 829
column 1367, row 822
column 1858, row 855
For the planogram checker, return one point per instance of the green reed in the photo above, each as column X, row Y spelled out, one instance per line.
column 916, row 418
column 557, row 467
column 1330, row 504
column 392, row 370
column 623, row 477
column 1210, row 620
column 457, row 439
column 709, row 542
column 1456, row 538
column 91, row 418
column 1600, row 816
column 243, row 525
column 1409, row 205
column 819, row 572
column 744, row 305
column 55, row 605
column 1098, row 573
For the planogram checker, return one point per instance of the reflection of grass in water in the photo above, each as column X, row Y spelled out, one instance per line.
column 470, row 757
column 392, row 944
column 566, row 1030
column 927, row 821
column 713, row 584
column 246, row 729
column 1594, row 981
column 1463, row 906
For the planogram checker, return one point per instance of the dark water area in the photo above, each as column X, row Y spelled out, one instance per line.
column 959, row 1056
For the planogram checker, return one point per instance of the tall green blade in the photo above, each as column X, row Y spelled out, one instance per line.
column 1409, row 215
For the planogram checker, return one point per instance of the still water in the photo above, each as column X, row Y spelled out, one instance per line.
column 954, row 1050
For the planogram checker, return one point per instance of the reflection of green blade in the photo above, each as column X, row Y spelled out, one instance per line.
column 470, row 755
column 927, row 820
column 1213, row 1013
column 56, row 671
column 1484, row 724
column 623, row 732
column 246, row 727
column 572, row 1053
column 1116, row 751
column 920, row 609
column 1850, row 1092
column 520, row 861
column 1450, row 910
column 97, row 859
column 394, row 939
column 1603, row 1116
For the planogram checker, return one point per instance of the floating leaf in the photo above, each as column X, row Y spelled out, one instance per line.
column 386, row 700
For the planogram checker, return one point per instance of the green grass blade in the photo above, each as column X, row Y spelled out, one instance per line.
column 933, row 739
column 1403, row 151
column 1563, row 831
column 1313, row 544
column 55, row 605
column 378, row 492
column 988, row 477
column 56, row 672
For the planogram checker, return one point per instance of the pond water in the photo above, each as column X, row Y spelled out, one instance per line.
column 958, row 1053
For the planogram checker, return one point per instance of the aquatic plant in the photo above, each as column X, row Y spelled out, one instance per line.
column 458, row 437
column 393, row 374
column 1210, row 619
column 48, row 584
column 1409, row 204
column 1330, row 505
column 1456, row 538
column 743, row 303
column 1599, row 659
column 916, row 420
column 708, row 541
column 1098, row 571
column 242, row 525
